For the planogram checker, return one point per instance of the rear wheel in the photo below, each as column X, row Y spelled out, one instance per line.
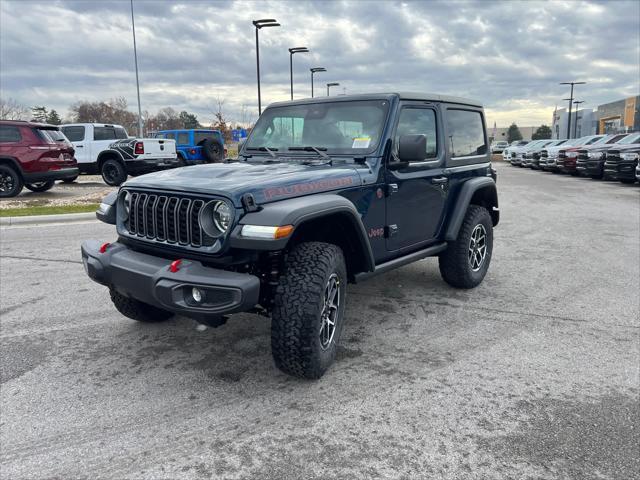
column 465, row 262
column 40, row 186
column 137, row 310
column 10, row 182
column 308, row 313
column 113, row 173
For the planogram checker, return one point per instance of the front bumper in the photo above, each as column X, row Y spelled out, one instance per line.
column 149, row 279
column 60, row 174
column 626, row 170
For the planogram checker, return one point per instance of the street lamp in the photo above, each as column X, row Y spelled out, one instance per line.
column 291, row 52
column 570, row 102
column 315, row 70
column 135, row 56
column 329, row 85
column 575, row 124
column 264, row 22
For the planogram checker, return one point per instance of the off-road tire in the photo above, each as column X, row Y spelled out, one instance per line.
column 454, row 261
column 70, row 180
column 296, row 317
column 212, row 150
column 113, row 172
column 9, row 174
column 40, row 186
column 137, row 310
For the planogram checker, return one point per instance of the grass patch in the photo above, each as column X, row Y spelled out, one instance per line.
column 48, row 210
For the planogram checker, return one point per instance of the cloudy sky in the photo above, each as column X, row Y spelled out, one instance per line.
column 510, row 55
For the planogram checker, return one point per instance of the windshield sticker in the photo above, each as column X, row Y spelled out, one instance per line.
column 361, row 142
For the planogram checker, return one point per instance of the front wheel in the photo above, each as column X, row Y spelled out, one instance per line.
column 40, row 186
column 465, row 262
column 113, row 173
column 308, row 314
column 10, row 182
column 137, row 310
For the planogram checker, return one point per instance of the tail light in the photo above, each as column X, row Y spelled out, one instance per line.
column 193, row 151
column 225, row 152
column 139, row 148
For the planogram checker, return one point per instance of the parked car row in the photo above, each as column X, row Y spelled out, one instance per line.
column 35, row 155
column 609, row 157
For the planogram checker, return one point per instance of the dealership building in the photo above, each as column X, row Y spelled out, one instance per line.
column 614, row 117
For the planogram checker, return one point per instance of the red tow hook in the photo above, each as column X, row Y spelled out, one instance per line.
column 104, row 246
column 175, row 266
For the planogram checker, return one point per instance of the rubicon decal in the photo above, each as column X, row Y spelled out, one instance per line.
column 309, row 187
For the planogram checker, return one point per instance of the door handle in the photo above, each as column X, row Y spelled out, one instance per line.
column 439, row 180
column 79, row 146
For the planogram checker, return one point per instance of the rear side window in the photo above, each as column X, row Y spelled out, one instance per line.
column 419, row 121
column 198, row 137
column 183, row 138
column 104, row 133
column 109, row 133
column 172, row 136
column 9, row 133
column 121, row 133
column 50, row 135
column 74, row 134
column 466, row 133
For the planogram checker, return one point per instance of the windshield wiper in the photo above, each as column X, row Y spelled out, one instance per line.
column 319, row 150
column 270, row 151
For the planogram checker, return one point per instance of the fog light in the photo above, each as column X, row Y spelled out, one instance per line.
column 197, row 294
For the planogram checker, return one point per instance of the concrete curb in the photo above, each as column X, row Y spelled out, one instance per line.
column 42, row 219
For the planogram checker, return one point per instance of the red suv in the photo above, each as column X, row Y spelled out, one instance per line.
column 33, row 155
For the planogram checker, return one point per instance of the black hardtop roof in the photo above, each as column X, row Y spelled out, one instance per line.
column 426, row 97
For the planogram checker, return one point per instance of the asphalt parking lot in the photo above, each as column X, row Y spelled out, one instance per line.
column 534, row 374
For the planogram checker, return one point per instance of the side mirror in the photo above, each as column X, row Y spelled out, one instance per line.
column 412, row 148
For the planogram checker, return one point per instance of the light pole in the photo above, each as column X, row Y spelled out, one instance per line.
column 570, row 102
column 291, row 52
column 575, row 124
column 135, row 57
column 332, row 84
column 264, row 22
column 315, row 70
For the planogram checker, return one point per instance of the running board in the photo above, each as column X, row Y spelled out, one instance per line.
column 401, row 261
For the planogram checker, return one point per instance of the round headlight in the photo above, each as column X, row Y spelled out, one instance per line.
column 222, row 216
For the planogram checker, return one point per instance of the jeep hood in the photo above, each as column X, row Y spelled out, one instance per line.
column 267, row 182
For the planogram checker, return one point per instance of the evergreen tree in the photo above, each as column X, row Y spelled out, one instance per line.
column 542, row 133
column 513, row 133
column 53, row 118
column 39, row 114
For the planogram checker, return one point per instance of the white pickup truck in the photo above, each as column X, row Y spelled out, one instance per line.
column 108, row 150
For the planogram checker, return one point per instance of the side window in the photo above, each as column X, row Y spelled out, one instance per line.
column 9, row 133
column 120, row 133
column 419, row 121
column 172, row 136
column 183, row 138
column 104, row 133
column 466, row 133
column 74, row 134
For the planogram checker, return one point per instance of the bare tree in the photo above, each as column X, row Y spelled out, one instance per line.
column 220, row 121
column 10, row 109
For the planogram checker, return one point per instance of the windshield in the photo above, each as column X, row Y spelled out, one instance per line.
column 586, row 141
column 339, row 127
column 633, row 138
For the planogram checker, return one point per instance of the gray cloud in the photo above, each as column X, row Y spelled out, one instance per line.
column 510, row 55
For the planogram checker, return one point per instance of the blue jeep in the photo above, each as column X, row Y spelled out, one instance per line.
column 325, row 191
column 196, row 145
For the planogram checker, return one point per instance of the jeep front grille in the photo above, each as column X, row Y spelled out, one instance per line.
column 167, row 218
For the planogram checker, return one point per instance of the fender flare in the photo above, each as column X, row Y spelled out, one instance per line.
column 459, row 208
column 14, row 163
column 108, row 151
column 297, row 211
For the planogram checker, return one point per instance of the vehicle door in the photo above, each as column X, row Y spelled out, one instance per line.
column 76, row 135
column 103, row 136
column 417, row 191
